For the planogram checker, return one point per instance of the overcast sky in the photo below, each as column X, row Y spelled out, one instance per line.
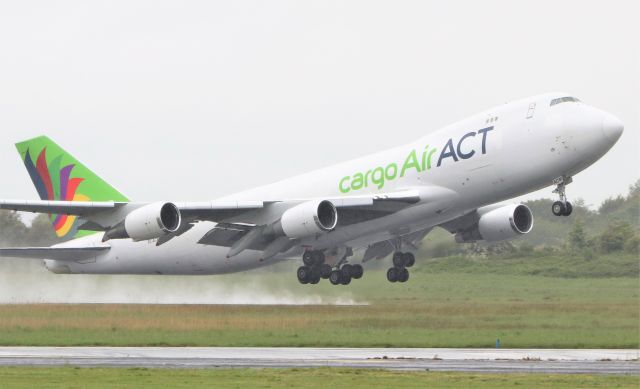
column 194, row 100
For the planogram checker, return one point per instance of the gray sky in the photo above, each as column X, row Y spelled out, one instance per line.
column 193, row 100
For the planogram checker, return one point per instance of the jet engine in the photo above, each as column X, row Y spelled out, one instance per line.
column 499, row 224
column 147, row 222
column 152, row 221
column 309, row 218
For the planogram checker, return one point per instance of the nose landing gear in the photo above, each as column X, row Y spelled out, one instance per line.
column 562, row 207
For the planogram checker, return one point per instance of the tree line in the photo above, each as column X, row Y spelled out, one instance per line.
column 612, row 227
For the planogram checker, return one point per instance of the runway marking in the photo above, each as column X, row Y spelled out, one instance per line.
column 594, row 361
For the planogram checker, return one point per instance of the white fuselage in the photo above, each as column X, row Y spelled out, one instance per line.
column 507, row 151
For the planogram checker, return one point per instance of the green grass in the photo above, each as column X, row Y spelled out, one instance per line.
column 434, row 309
column 554, row 265
column 67, row 377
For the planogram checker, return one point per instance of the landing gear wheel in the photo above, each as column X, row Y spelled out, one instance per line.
column 345, row 276
column 398, row 259
column 307, row 258
column 347, row 270
column 562, row 207
column 304, row 273
column 314, row 279
column 403, row 275
column 325, row 271
column 335, row 277
column 558, row 208
column 357, row 271
column 392, row 274
column 317, row 257
column 568, row 208
column 409, row 259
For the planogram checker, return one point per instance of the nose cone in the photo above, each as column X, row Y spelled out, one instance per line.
column 612, row 127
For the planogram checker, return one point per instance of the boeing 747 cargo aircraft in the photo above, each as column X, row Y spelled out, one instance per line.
column 333, row 219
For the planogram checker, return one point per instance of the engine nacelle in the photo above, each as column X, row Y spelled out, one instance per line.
column 309, row 218
column 499, row 224
column 152, row 221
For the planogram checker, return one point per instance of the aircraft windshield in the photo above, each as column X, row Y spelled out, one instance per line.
column 564, row 100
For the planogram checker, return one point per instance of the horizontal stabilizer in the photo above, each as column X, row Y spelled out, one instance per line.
column 59, row 207
column 57, row 253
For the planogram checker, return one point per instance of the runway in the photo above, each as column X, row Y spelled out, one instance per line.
column 598, row 361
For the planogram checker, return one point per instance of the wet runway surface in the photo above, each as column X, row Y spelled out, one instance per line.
column 470, row 360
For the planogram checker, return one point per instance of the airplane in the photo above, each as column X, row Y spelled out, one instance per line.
column 333, row 219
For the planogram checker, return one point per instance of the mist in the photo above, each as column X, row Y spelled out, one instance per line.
column 29, row 282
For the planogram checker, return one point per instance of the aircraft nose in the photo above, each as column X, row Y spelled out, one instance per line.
column 612, row 127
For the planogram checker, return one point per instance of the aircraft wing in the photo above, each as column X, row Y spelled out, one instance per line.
column 57, row 253
column 235, row 219
column 351, row 210
column 105, row 214
column 240, row 224
column 202, row 210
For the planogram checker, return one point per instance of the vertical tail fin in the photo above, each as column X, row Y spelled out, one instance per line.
column 57, row 175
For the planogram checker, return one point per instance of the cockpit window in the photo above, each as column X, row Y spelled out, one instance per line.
column 564, row 100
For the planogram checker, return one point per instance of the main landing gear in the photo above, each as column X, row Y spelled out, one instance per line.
column 562, row 207
column 399, row 272
column 344, row 274
column 315, row 269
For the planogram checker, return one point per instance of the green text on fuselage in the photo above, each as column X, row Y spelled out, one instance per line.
column 462, row 149
column 381, row 174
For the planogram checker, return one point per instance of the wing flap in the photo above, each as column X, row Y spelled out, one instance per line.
column 405, row 196
column 217, row 210
column 226, row 234
column 359, row 209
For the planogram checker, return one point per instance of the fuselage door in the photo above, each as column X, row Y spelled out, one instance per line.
column 531, row 110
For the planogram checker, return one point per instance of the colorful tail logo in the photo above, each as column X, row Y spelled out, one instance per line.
column 55, row 183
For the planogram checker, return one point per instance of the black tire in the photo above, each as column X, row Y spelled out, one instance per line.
column 392, row 274
column 315, row 273
column 558, row 208
column 317, row 257
column 409, row 259
column 403, row 275
column 568, row 209
column 357, row 271
column 335, row 277
column 347, row 270
column 398, row 260
column 307, row 258
column 314, row 280
column 325, row 270
column 304, row 273
column 345, row 276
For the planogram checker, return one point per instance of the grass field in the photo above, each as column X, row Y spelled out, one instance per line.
column 436, row 308
column 68, row 377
